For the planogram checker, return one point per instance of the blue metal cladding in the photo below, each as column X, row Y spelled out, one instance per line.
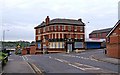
column 93, row 45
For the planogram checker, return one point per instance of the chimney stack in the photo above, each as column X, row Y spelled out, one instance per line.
column 47, row 20
column 80, row 19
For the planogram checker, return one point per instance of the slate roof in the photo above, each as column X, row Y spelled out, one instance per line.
column 63, row 22
column 101, row 31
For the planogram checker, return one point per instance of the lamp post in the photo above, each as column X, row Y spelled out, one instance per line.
column 4, row 37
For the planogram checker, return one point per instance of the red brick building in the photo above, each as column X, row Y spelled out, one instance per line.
column 113, row 41
column 99, row 34
column 60, row 35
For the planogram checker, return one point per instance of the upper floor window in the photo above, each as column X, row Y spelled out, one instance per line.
column 59, row 27
column 75, row 28
column 39, row 38
column 62, row 27
column 76, row 36
column 51, row 27
column 101, row 35
column 55, row 27
column 81, row 36
column 48, row 28
column 44, row 29
column 38, row 30
column 69, row 28
column 96, row 35
column 81, row 28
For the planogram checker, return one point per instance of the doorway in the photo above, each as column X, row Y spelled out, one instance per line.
column 69, row 48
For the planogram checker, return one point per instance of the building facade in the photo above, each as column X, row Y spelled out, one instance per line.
column 99, row 34
column 113, row 41
column 60, row 35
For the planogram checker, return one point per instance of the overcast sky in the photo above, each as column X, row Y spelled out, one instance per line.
column 21, row 16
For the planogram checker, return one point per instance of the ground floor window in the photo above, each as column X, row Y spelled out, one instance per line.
column 56, row 45
column 78, row 44
column 39, row 45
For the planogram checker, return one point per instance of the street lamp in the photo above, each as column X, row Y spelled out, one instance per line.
column 4, row 36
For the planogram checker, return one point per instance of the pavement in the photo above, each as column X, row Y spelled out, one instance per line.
column 16, row 64
column 103, row 57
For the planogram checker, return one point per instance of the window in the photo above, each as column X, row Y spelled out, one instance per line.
column 52, row 28
column 39, row 38
column 59, row 27
column 108, row 39
column 81, row 28
column 101, row 35
column 59, row 45
column 38, row 30
column 96, row 35
column 62, row 44
column 69, row 28
column 75, row 28
column 81, row 36
column 76, row 36
column 55, row 28
column 39, row 45
column 48, row 28
column 69, row 36
column 44, row 29
column 78, row 45
column 54, row 45
column 62, row 28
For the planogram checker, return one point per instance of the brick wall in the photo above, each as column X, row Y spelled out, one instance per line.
column 113, row 50
column 113, row 43
column 32, row 49
column 24, row 51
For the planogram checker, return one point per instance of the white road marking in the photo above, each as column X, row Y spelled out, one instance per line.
column 89, row 67
column 23, row 58
column 76, row 67
column 26, row 58
column 90, row 58
column 58, row 60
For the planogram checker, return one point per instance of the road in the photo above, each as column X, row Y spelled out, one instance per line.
column 71, row 63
